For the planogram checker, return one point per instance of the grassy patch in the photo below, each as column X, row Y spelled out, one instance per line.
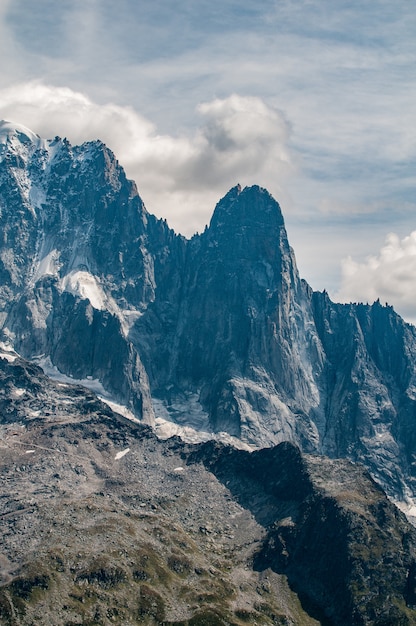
column 151, row 604
column 150, row 566
column 180, row 564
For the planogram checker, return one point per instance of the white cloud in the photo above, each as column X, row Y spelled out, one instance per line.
column 390, row 276
column 241, row 138
column 181, row 178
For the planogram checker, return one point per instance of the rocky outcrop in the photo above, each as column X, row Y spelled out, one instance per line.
column 368, row 388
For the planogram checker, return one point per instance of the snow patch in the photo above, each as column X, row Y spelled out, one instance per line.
column 128, row 319
column 93, row 384
column 120, row 455
column 10, row 131
column 408, row 507
column 53, row 372
column 119, row 408
column 18, row 392
column 85, row 285
column 166, row 429
column 37, row 196
column 7, row 352
column 48, row 265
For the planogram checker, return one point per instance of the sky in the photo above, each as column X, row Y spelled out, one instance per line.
column 313, row 99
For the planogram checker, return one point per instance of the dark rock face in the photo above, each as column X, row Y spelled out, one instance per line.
column 241, row 337
column 369, row 378
column 336, row 536
column 73, row 251
column 92, row 282
column 244, row 275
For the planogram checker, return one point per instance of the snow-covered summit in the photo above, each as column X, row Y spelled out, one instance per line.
column 17, row 139
column 10, row 130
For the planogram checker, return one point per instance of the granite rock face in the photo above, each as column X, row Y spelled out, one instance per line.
column 219, row 329
column 241, row 337
column 74, row 274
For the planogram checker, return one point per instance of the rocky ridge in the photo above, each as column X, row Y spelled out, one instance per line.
column 217, row 333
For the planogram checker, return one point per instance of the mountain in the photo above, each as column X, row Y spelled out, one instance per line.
column 104, row 523
column 217, row 334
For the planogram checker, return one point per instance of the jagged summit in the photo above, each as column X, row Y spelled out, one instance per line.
column 249, row 207
column 18, row 142
column 10, row 129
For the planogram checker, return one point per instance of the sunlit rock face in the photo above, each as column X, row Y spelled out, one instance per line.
column 217, row 333
column 243, row 335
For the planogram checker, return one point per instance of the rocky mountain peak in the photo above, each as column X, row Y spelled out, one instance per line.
column 251, row 207
column 18, row 143
column 10, row 131
column 219, row 330
column 247, row 233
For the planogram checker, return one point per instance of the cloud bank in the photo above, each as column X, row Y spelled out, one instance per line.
column 240, row 139
column 390, row 276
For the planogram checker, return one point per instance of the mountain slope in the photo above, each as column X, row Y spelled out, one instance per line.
column 103, row 523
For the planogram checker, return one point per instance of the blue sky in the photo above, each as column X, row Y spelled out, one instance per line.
column 313, row 99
